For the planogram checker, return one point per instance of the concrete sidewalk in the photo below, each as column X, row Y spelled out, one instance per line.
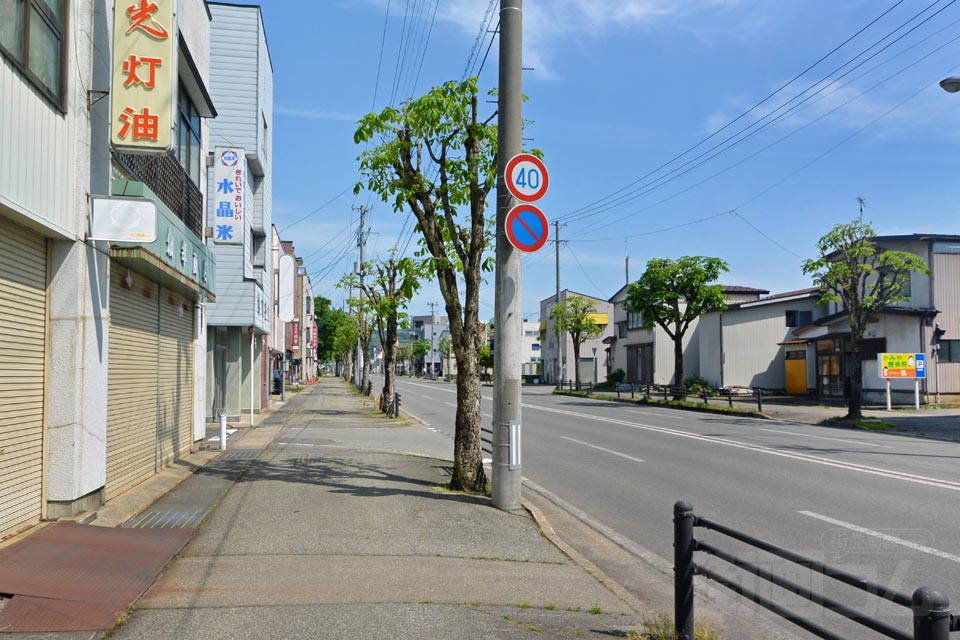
column 332, row 531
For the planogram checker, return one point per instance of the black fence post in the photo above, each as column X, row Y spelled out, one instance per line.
column 618, row 390
column 931, row 614
column 396, row 404
column 704, row 395
column 664, row 394
column 730, row 399
column 759, row 399
column 683, row 569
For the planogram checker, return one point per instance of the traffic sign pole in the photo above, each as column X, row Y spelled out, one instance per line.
column 508, row 327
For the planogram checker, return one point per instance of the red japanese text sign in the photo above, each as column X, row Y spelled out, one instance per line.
column 144, row 75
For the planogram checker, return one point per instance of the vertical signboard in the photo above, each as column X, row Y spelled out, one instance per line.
column 144, row 75
column 314, row 336
column 296, row 334
column 229, row 199
column 286, row 286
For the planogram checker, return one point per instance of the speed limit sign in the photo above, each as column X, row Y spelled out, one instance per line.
column 526, row 177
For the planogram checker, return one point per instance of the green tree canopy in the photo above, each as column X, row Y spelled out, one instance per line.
column 674, row 294
column 433, row 157
column 576, row 317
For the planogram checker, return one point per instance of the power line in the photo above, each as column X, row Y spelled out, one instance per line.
column 383, row 41
column 584, row 271
column 399, row 66
column 702, row 159
column 489, row 46
column 426, row 45
column 474, row 52
column 607, row 201
column 318, row 209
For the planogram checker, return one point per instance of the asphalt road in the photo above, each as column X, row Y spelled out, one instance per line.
column 878, row 505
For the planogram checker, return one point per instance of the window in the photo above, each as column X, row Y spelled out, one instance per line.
column 904, row 280
column 795, row 319
column 32, row 37
column 949, row 351
column 872, row 347
column 621, row 329
column 187, row 135
column 535, row 347
column 634, row 320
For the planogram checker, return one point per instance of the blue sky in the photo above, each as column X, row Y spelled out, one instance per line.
column 621, row 87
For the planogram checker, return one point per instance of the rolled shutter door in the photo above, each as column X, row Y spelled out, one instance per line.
column 132, row 383
column 23, row 305
column 175, row 430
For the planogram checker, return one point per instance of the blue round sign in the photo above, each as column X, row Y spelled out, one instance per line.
column 527, row 228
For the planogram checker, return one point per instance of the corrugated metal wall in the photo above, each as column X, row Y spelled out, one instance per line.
column 946, row 292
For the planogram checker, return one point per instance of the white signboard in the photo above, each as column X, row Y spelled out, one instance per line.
column 229, row 189
column 123, row 220
column 287, row 273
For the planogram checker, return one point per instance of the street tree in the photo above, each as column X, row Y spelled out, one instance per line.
column 862, row 279
column 433, row 157
column 446, row 350
column 673, row 294
column 575, row 316
column 419, row 350
column 389, row 287
column 344, row 342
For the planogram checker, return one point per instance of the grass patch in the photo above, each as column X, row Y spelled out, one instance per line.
column 689, row 405
column 660, row 627
column 595, row 610
column 870, row 424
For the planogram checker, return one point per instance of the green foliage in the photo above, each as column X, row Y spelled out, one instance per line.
column 420, row 348
column 575, row 317
column 617, row 376
column 446, row 346
column 696, row 383
column 661, row 627
column 486, row 357
column 674, row 293
column 864, row 279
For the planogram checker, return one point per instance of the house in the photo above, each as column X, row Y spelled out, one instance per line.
column 646, row 355
column 927, row 322
column 747, row 343
column 239, row 212
column 557, row 347
column 430, row 328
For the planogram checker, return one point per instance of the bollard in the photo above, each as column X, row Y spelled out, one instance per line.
column 759, row 399
column 683, row 570
column 618, row 391
column 223, row 431
column 704, row 394
column 931, row 614
column 396, row 404
column 664, row 394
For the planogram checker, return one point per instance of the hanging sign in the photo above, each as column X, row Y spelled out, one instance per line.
column 144, row 75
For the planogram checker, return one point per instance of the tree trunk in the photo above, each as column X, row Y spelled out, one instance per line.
column 348, row 372
column 576, row 363
column 466, row 444
column 855, row 410
column 389, row 356
column 678, row 366
column 365, row 372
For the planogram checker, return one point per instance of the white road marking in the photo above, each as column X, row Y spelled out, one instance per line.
column 659, row 415
column 810, row 435
column 849, row 466
column 883, row 536
column 610, row 451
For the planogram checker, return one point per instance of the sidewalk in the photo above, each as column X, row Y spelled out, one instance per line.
column 940, row 424
column 332, row 531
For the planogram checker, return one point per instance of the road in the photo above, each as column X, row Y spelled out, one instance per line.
column 879, row 505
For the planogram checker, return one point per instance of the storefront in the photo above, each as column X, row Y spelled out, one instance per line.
column 156, row 291
column 23, row 313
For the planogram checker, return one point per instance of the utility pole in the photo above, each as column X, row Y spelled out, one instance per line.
column 558, row 367
column 508, row 328
column 432, row 306
column 362, row 245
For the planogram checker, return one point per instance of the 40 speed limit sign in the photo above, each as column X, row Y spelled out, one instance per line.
column 526, row 177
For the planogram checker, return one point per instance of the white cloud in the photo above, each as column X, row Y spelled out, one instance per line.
column 315, row 114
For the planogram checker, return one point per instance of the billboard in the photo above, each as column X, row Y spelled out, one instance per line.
column 230, row 177
column 895, row 366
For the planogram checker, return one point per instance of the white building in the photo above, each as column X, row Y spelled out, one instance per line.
column 558, row 355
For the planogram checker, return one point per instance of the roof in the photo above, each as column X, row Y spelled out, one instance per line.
column 733, row 288
column 798, row 292
column 919, row 236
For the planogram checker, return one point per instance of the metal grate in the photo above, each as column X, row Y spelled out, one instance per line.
column 241, row 455
column 165, row 519
column 165, row 176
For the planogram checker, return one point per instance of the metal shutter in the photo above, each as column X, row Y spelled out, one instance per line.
column 23, row 310
column 175, row 430
column 132, row 382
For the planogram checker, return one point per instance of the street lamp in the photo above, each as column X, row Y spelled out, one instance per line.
column 951, row 84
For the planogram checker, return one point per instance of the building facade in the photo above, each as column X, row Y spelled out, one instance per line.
column 121, row 320
column 559, row 355
column 239, row 214
column 431, row 329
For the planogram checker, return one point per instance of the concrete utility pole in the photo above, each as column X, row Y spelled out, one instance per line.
column 508, row 329
column 556, row 326
column 362, row 245
column 433, row 306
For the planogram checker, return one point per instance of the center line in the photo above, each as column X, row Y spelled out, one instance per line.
column 610, row 451
column 883, row 536
column 810, row 435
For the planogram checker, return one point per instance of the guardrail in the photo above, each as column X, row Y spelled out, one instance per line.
column 932, row 619
column 682, row 392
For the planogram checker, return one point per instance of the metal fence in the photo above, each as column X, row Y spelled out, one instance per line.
column 932, row 619
column 166, row 177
